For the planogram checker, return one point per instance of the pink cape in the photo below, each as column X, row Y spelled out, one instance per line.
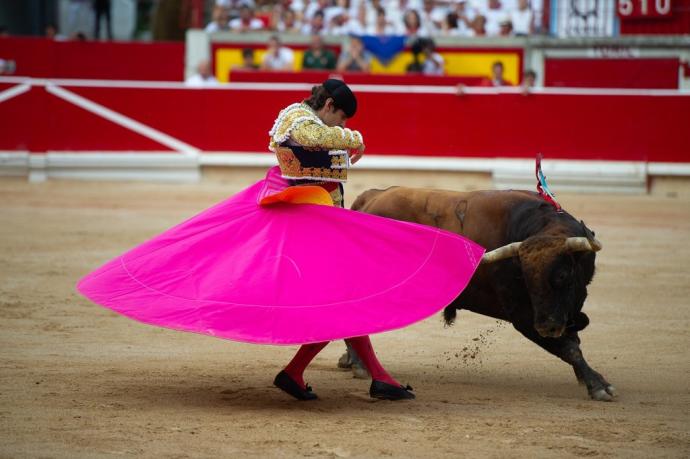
column 286, row 273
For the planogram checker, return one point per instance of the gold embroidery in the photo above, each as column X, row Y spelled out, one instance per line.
column 301, row 124
column 289, row 164
column 338, row 161
column 291, row 167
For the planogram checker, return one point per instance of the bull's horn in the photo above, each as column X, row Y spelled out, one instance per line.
column 582, row 244
column 501, row 253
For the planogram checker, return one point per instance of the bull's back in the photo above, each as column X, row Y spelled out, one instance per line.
column 478, row 215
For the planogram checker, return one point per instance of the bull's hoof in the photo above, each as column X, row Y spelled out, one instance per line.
column 607, row 394
column 344, row 361
column 359, row 372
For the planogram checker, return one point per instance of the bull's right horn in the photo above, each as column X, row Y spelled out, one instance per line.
column 582, row 244
column 501, row 253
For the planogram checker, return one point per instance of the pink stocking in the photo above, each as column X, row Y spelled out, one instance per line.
column 365, row 351
column 305, row 354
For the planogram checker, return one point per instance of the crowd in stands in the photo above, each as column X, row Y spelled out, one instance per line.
column 419, row 18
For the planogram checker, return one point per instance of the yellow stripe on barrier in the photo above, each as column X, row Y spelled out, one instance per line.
column 458, row 63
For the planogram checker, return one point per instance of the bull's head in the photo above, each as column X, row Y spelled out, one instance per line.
column 556, row 271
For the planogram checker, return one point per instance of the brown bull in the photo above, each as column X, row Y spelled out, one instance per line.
column 536, row 270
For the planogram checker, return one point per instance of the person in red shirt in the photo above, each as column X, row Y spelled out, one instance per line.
column 496, row 78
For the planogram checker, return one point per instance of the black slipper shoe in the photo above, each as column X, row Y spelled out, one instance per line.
column 385, row 391
column 285, row 383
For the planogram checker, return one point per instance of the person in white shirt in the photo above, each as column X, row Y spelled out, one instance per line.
column 202, row 77
column 431, row 17
column 246, row 21
column 313, row 7
column 434, row 64
column 288, row 22
column 381, row 26
column 458, row 23
column 522, row 19
column 494, row 14
column 277, row 57
column 221, row 19
column 316, row 25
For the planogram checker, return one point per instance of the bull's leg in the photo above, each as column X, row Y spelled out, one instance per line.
column 567, row 348
column 350, row 359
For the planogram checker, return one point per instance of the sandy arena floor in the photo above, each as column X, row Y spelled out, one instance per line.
column 78, row 381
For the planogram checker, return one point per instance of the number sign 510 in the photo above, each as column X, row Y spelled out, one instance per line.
column 643, row 8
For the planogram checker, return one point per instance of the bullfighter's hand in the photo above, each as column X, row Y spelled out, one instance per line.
column 356, row 155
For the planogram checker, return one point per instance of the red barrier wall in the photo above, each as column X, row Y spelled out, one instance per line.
column 43, row 58
column 608, row 127
column 677, row 23
column 661, row 73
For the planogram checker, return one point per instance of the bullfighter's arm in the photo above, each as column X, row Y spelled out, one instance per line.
column 311, row 134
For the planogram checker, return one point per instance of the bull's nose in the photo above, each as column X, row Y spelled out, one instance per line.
column 550, row 330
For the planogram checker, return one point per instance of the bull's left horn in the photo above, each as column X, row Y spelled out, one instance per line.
column 501, row 253
column 582, row 244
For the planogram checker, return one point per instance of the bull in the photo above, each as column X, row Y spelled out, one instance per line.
column 535, row 273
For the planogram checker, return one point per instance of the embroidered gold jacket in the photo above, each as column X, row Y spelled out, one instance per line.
column 309, row 149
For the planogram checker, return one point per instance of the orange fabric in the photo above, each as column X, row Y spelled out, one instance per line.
column 300, row 195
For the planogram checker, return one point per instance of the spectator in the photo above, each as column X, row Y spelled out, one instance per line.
column 288, row 22
column 416, row 65
column 355, row 58
column 381, row 26
column 315, row 25
column 433, row 62
column 340, row 24
column 478, row 26
column 247, row 60
column 202, row 77
column 234, row 6
column 246, row 21
column 431, row 17
column 505, row 27
column 395, row 9
column 51, row 33
column 529, row 81
column 341, row 8
column 496, row 76
column 102, row 8
column 412, row 26
column 371, row 6
column 277, row 57
column 221, row 19
column 318, row 56
column 458, row 23
column 522, row 19
column 358, row 23
column 494, row 14
column 313, row 7
column 78, row 36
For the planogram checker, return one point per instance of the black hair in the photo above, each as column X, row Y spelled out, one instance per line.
column 318, row 97
column 338, row 91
